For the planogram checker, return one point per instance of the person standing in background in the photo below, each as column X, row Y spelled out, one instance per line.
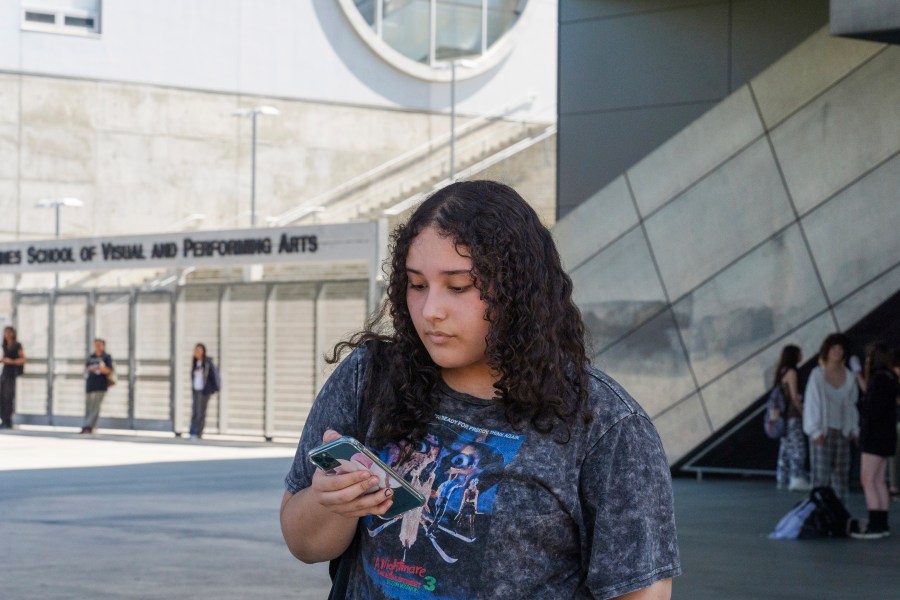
column 830, row 416
column 877, row 439
column 13, row 362
column 789, row 472
column 204, row 383
column 894, row 490
column 97, row 372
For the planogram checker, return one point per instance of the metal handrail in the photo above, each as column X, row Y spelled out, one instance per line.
column 488, row 162
column 430, row 168
column 421, row 150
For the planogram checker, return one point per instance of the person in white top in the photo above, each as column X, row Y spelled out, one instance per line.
column 830, row 416
column 205, row 381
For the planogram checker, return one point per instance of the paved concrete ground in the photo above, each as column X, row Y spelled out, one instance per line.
column 722, row 531
column 202, row 524
column 150, row 517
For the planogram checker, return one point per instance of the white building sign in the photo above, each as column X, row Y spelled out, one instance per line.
column 312, row 243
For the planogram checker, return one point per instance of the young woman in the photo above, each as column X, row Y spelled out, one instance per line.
column 476, row 369
column 789, row 472
column 13, row 360
column 830, row 417
column 204, row 383
column 895, row 460
column 877, row 438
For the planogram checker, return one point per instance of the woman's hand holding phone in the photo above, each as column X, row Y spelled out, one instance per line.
column 348, row 494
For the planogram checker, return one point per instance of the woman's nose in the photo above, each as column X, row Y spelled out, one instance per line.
column 433, row 309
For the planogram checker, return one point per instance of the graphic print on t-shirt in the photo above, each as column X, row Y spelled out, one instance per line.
column 435, row 550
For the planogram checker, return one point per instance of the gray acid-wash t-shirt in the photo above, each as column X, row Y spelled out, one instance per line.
column 511, row 514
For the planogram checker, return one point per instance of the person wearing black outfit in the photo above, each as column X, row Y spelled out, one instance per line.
column 97, row 372
column 204, row 383
column 13, row 361
column 878, row 438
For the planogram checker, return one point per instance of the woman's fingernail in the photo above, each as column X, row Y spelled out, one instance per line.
column 388, row 493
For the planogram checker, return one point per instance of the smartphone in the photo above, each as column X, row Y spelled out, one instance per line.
column 346, row 454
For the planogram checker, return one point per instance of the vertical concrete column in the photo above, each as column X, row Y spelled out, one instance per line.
column 225, row 307
column 269, row 384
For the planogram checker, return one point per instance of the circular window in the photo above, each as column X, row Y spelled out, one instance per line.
column 421, row 37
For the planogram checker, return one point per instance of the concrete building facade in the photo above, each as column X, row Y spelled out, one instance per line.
column 770, row 219
column 128, row 106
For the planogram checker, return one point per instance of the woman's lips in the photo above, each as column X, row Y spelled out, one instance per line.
column 438, row 337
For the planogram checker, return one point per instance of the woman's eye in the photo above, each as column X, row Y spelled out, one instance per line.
column 416, row 286
column 459, row 289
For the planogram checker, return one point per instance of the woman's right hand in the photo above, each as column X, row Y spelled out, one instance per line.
column 345, row 494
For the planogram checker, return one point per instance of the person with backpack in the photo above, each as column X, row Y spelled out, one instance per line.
column 790, row 469
column 877, row 438
column 205, row 382
column 13, row 365
column 830, row 416
column 477, row 358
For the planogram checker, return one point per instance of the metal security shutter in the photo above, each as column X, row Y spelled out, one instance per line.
column 341, row 312
column 70, row 318
column 292, row 357
column 152, row 353
column 111, row 322
column 197, row 318
column 33, row 330
column 243, row 359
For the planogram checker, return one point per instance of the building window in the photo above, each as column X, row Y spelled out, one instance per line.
column 77, row 17
column 434, row 31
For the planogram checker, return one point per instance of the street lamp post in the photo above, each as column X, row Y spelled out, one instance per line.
column 466, row 64
column 252, row 112
column 56, row 203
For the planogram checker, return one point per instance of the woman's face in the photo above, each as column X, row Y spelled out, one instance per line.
column 836, row 354
column 8, row 334
column 198, row 352
column 446, row 307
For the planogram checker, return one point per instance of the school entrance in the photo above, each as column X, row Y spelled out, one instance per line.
column 267, row 337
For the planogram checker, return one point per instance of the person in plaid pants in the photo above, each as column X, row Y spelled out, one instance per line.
column 830, row 416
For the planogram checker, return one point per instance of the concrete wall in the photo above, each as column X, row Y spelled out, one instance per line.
column 632, row 74
column 143, row 158
column 278, row 48
column 136, row 122
column 772, row 219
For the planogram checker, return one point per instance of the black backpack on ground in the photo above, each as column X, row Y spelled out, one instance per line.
column 830, row 517
column 821, row 514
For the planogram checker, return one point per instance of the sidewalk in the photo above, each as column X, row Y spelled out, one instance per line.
column 150, row 517
column 31, row 447
column 111, row 516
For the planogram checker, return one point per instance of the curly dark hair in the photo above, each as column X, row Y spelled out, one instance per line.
column 536, row 334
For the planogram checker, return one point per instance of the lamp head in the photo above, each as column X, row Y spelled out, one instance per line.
column 256, row 110
column 53, row 202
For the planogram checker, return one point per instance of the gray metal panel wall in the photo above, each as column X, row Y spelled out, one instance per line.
column 153, row 357
column 632, row 74
column 772, row 219
column 292, row 329
column 70, row 316
column 197, row 317
column 111, row 322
